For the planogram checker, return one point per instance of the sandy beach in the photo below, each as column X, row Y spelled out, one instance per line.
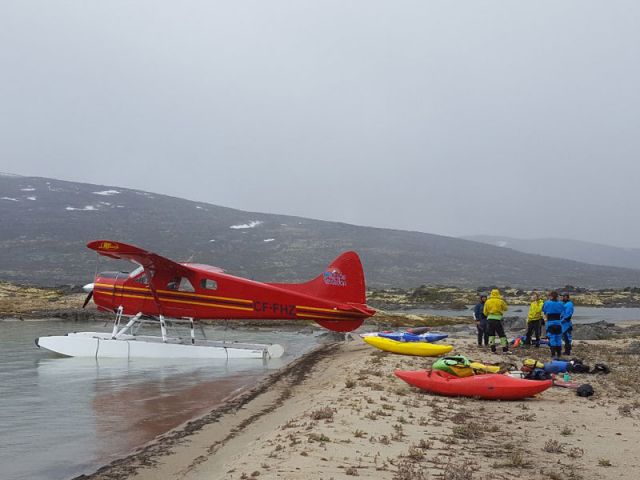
column 339, row 412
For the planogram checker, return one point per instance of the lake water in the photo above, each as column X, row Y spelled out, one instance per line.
column 581, row 315
column 61, row 417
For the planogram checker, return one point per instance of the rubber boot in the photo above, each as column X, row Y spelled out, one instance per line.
column 505, row 344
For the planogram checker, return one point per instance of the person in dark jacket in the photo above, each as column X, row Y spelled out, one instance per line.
column 481, row 321
column 567, row 326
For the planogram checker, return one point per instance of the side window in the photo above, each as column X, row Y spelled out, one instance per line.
column 185, row 285
column 181, row 284
column 142, row 279
column 208, row 284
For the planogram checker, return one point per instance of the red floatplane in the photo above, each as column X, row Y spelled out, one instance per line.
column 170, row 293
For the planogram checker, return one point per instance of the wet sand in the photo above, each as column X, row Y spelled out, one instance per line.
column 339, row 412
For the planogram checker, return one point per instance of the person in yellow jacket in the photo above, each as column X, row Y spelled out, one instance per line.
column 534, row 320
column 495, row 308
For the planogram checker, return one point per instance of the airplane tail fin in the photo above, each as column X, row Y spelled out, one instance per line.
column 342, row 283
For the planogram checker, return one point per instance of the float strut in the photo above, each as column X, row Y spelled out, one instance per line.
column 116, row 323
column 163, row 329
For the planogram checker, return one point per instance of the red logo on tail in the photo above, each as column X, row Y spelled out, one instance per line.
column 335, row 277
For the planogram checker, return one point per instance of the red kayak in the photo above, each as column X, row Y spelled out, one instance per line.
column 489, row 386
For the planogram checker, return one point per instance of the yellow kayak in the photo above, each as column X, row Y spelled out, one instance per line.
column 420, row 349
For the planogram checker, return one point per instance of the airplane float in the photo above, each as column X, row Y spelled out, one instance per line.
column 168, row 294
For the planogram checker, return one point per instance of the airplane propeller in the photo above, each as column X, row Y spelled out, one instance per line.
column 88, row 288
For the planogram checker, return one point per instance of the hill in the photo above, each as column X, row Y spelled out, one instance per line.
column 46, row 224
column 578, row 250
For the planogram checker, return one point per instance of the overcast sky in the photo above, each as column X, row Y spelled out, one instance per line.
column 451, row 117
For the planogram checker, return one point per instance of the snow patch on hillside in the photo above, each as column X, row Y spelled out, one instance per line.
column 251, row 224
column 28, row 189
column 11, row 199
column 269, row 240
column 502, row 243
column 144, row 194
column 32, row 198
column 86, row 208
column 107, row 192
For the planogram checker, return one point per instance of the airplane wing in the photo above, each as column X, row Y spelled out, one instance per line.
column 149, row 260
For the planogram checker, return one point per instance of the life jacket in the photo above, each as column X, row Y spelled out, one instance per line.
column 457, row 365
column 482, row 368
column 531, row 363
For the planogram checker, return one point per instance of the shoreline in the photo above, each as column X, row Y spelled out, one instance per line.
column 146, row 455
column 339, row 412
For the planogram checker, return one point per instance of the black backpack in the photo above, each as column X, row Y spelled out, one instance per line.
column 584, row 390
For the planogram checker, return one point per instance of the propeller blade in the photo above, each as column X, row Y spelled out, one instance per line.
column 86, row 300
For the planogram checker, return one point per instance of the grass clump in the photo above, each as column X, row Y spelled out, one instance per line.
column 324, row 413
column 566, row 431
column 318, row 437
column 515, row 459
column 408, row 470
column 470, row 431
column 416, row 454
column 457, row 471
column 553, row 446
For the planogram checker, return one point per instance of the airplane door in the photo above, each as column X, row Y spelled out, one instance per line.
column 118, row 291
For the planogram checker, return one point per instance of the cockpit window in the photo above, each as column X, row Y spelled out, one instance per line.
column 140, row 276
column 136, row 272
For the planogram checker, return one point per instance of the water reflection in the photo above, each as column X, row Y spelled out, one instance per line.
column 120, row 404
column 60, row 417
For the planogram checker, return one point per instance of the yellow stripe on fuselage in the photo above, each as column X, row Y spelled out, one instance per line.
column 339, row 314
column 165, row 299
column 173, row 300
column 317, row 309
column 324, row 317
column 173, row 292
column 328, row 310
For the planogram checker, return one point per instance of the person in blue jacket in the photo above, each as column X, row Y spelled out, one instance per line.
column 481, row 321
column 552, row 311
column 567, row 326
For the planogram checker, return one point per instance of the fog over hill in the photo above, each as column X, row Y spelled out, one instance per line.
column 46, row 224
column 577, row 250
